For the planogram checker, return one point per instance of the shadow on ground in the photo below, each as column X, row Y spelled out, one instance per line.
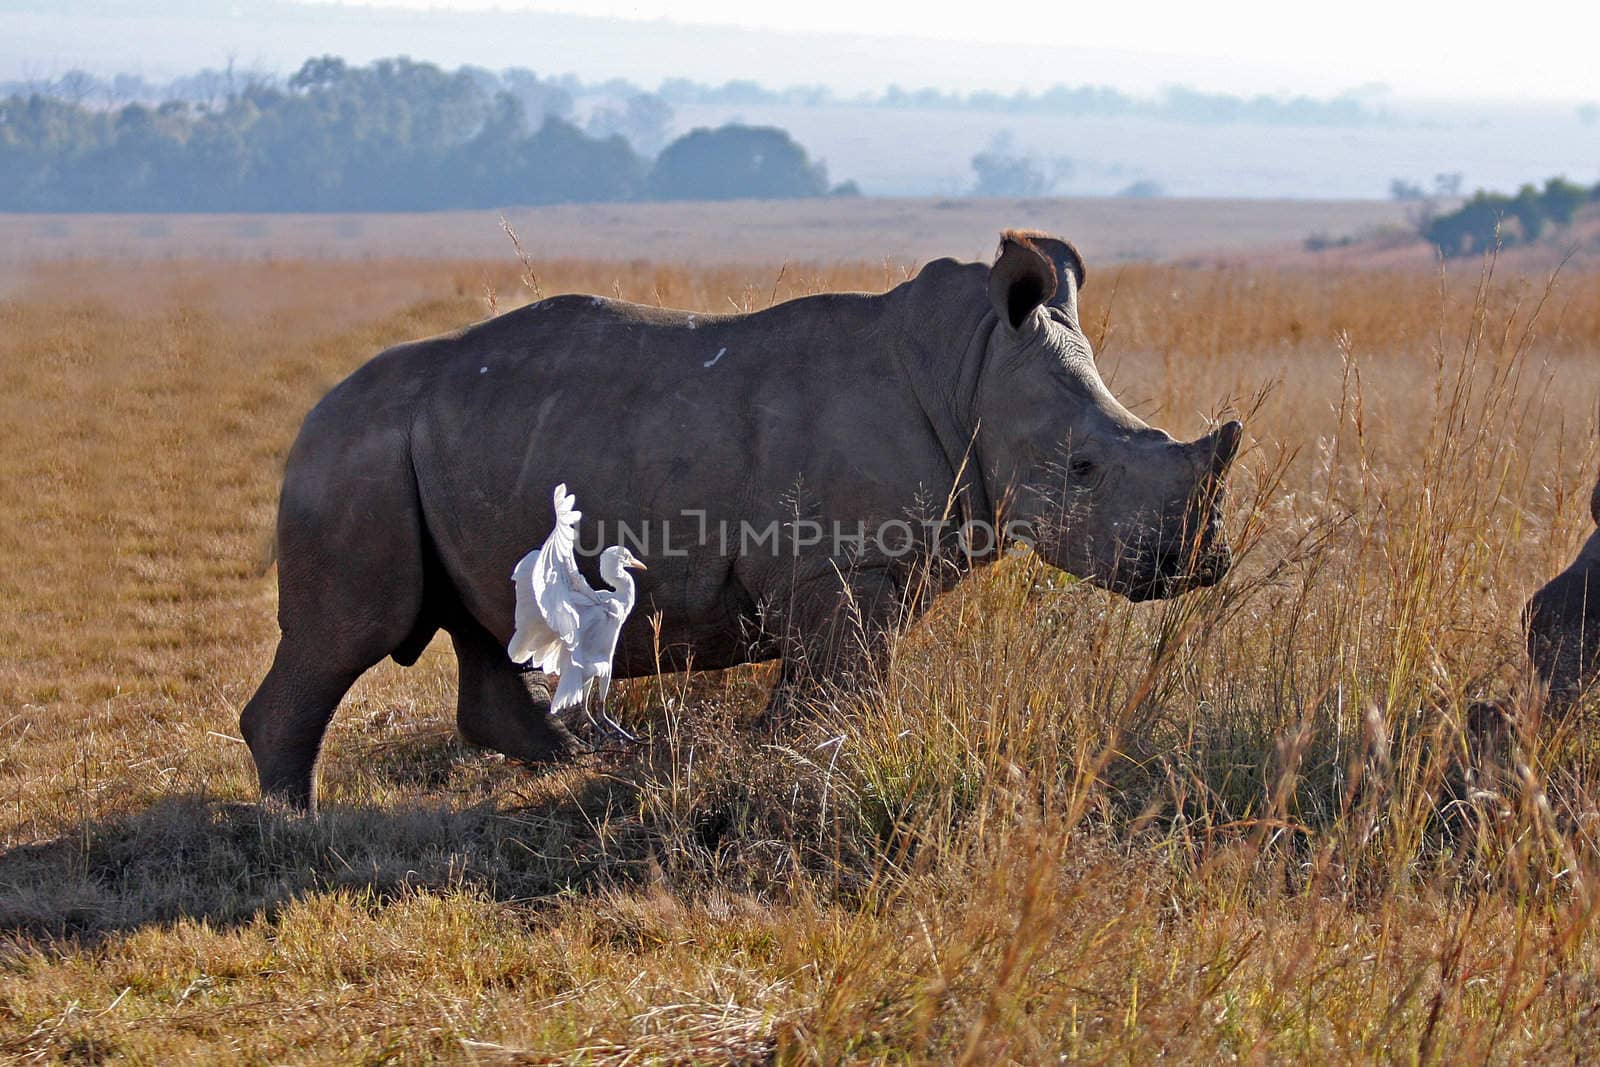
column 596, row 824
column 187, row 857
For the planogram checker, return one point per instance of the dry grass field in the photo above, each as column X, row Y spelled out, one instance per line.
column 1235, row 826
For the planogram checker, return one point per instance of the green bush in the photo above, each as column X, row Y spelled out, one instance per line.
column 1481, row 223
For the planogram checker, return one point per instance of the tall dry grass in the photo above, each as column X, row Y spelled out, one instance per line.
column 1236, row 825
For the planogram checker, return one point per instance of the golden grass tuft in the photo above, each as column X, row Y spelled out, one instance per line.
column 1238, row 825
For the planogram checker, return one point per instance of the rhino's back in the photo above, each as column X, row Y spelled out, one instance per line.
column 661, row 421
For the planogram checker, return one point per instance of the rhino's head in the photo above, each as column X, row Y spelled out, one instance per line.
column 1563, row 623
column 1107, row 497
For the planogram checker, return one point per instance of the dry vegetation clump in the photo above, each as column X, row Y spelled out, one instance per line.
column 1239, row 825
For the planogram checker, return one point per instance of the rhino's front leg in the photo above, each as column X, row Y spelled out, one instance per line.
column 838, row 630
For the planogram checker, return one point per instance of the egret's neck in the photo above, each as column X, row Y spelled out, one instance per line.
column 616, row 577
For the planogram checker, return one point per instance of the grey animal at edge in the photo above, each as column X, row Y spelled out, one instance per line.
column 1562, row 622
column 969, row 391
column 1561, row 625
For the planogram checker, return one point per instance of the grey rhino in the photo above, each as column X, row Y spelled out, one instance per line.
column 1563, row 624
column 733, row 442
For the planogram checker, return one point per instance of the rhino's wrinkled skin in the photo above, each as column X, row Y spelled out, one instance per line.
column 969, row 390
column 1563, row 624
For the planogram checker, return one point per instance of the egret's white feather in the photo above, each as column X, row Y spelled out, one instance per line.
column 569, row 691
column 534, row 641
column 563, row 625
column 557, row 585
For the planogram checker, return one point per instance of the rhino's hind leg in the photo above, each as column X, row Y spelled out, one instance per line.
column 350, row 586
column 284, row 722
column 496, row 706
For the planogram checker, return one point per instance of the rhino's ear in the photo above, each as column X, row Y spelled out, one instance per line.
column 1070, row 271
column 1021, row 280
column 1063, row 257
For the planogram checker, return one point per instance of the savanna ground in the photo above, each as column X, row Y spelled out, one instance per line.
column 1231, row 826
column 753, row 232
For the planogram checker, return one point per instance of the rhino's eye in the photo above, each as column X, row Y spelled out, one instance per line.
column 1081, row 468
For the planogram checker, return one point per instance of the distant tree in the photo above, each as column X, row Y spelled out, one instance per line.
column 393, row 135
column 681, row 91
column 1447, row 184
column 807, row 95
column 736, row 162
column 540, row 99
column 1400, row 189
column 1000, row 175
column 1143, row 189
column 1527, row 207
column 1562, row 199
column 1322, row 242
column 566, row 166
column 1472, row 228
column 645, row 121
column 1478, row 224
column 319, row 72
column 1180, row 104
column 742, row 92
column 1004, row 170
column 76, row 86
column 494, row 167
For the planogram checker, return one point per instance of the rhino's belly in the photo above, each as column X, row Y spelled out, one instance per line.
column 709, row 634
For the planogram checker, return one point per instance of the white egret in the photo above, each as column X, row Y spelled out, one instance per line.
column 565, row 626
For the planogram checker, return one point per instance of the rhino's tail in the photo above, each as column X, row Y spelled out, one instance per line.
column 267, row 553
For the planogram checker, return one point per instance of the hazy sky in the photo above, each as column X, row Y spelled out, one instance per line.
column 1529, row 49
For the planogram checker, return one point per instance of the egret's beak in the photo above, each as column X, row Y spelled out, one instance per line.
column 636, row 565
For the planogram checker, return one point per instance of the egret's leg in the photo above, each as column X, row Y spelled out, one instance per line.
column 609, row 730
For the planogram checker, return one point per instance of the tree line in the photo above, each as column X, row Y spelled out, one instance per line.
column 1488, row 220
column 395, row 135
column 1174, row 103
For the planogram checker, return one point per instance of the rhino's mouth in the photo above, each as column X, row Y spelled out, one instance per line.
column 1173, row 574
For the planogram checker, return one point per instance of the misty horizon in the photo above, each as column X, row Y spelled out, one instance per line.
column 913, row 117
column 274, row 36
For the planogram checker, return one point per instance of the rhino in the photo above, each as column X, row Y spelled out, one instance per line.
column 1561, row 626
column 1562, row 623
column 785, row 475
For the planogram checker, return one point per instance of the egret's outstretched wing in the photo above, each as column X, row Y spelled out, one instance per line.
column 562, row 591
column 552, row 594
column 533, row 640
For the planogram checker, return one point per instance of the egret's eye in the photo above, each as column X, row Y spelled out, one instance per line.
column 1081, row 468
